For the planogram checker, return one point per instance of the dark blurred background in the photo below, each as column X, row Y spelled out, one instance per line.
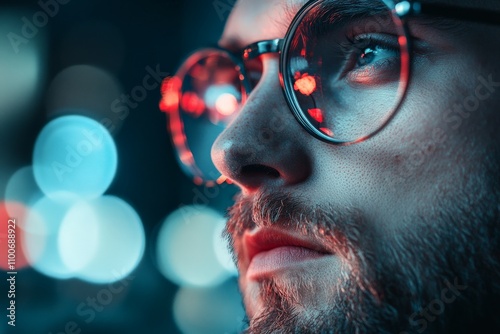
column 84, row 57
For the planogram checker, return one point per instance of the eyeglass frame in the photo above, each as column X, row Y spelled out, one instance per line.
column 402, row 10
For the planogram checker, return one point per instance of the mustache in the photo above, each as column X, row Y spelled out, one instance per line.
column 343, row 231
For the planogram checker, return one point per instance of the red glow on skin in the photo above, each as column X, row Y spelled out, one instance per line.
column 192, row 104
column 316, row 114
column 6, row 223
column 226, row 104
column 306, row 84
column 327, row 132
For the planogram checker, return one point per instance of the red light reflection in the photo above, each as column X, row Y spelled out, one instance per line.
column 200, row 72
column 192, row 104
column 327, row 132
column 170, row 94
column 316, row 114
column 305, row 83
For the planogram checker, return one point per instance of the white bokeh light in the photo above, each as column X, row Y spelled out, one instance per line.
column 214, row 93
column 74, row 154
column 102, row 239
column 185, row 247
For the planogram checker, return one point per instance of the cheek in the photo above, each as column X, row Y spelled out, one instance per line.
column 422, row 153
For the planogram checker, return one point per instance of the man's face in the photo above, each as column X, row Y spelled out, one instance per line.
column 396, row 233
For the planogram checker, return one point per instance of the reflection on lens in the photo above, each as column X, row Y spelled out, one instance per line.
column 345, row 79
column 201, row 99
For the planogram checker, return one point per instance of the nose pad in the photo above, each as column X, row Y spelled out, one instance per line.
column 264, row 146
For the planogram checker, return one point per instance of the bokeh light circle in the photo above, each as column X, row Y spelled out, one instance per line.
column 74, row 154
column 102, row 240
column 185, row 247
column 21, row 188
column 42, row 229
column 90, row 91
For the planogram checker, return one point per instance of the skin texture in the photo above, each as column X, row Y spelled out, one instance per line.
column 405, row 213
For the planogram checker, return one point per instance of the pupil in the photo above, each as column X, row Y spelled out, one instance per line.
column 366, row 57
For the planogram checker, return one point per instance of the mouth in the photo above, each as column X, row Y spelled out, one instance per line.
column 269, row 251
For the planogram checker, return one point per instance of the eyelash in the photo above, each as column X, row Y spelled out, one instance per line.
column 358, row 44
column 355, row 46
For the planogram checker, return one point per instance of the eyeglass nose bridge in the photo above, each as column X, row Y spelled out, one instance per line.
column 256, row 49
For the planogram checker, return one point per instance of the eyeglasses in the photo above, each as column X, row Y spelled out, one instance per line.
column 344, row 69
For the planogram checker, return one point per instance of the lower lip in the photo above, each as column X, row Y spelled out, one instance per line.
column 269, row 262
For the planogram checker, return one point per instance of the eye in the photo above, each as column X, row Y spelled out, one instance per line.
column 372, row 59
column 375, row 54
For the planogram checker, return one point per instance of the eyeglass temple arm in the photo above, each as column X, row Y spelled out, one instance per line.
column 449, row 11
column 259, row 48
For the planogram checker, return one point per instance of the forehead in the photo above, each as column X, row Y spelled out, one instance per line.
column 253, row 20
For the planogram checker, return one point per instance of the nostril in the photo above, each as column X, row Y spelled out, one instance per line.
column 259, row 170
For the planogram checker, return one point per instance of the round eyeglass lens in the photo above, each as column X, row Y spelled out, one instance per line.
column 345, row 68
column 204, row 95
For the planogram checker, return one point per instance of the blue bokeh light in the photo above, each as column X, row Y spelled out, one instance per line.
column 74, row 154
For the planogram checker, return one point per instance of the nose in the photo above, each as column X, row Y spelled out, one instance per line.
column 264, row 146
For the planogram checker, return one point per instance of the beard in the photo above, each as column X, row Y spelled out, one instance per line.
column 438, row 271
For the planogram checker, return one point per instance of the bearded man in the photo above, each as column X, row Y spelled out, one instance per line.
column 364, row 136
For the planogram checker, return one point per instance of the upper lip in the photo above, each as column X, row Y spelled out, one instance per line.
column 265, row 239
